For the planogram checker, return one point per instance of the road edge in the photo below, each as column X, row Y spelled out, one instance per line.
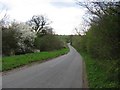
column 85, row 81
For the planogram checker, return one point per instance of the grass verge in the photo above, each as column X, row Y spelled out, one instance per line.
column 12, row 62
column 100, row 73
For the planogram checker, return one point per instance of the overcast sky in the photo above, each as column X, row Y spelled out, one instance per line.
column 65, row 14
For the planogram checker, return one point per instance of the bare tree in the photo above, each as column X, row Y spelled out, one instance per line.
column 81, row 29
column 78, row 31
column 38, row 22
column 98, row 9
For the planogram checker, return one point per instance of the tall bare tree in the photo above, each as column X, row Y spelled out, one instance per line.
column 98, row 9
column 38, row 22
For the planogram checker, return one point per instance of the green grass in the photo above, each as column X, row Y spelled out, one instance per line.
column 12, row 62
column 99, row 72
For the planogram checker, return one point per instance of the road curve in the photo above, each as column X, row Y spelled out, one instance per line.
column 62, row 72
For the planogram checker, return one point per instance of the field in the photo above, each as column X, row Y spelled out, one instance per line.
column 12, row 62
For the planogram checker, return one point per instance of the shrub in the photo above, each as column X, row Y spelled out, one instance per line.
column 48, row 43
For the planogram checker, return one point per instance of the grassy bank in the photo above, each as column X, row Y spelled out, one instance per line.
column 100, row 73
column 12, row 62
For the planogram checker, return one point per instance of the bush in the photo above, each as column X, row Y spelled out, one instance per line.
column 9, row 41
column 17, row 39
column 48, row 43
column 103, row 38
column 102, row 42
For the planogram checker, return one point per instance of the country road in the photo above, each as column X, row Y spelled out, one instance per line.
column 62, row 72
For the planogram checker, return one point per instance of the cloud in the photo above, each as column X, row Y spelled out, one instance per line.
column 64, row 14
column 66, row 19
column 63, row 3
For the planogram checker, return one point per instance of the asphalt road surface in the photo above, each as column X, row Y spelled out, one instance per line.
column 62, row 72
